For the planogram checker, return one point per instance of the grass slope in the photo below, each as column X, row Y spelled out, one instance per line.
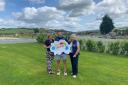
column 24, row 64
column 15, row 30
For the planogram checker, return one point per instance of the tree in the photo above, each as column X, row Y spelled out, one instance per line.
column 36, row 30
column 106, row 25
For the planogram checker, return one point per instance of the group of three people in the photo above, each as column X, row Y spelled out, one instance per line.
column 74, row 54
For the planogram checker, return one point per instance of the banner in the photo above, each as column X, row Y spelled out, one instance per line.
column 59, row 47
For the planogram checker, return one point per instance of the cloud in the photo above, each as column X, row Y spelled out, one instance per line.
column 39, row 15
column 12, row 23
column 9, row 23
column 37, row 1
column 2, row 5
column 77, row 7
column 68, row 15
column 68, row 23
column 115, row 8
column 93, row 25
column 49, row 17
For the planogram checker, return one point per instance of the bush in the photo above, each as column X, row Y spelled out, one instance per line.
column 90, row 45
column 100, row 47
column 82, row 45
column 124, row 48
column 114, row 48
column 41, row 38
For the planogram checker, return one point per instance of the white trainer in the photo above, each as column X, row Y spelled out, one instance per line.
column 74, row 76
column 65, row 74
column 58, row 73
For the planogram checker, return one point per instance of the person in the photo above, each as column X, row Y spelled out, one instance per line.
column 74, row 55
column 49, row 54
column 61, row 56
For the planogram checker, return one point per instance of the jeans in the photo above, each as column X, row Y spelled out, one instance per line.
column 74, row 63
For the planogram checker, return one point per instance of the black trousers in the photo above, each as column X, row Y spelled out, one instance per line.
column 74, row 63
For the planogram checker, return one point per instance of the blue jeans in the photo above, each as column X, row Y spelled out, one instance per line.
column 74, row 63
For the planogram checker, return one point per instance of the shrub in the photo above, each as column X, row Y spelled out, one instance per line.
column 82, row 45
column 124, row 48
column 114, row 48
column 100, row 47
column 90, row 45
column 41, row 38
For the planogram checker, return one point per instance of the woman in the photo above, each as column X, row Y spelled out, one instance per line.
column 74, row 55
column 49, row 54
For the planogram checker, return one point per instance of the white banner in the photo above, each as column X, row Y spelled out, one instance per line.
column 59, row 47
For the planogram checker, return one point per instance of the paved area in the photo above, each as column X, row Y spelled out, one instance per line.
column 17, row 40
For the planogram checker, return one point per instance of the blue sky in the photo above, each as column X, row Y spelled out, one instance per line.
column 72, row 15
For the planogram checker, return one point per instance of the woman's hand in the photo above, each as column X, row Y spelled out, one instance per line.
column 74, row 56
column 47, row 46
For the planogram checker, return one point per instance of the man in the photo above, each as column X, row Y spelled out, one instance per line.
column 61, row 56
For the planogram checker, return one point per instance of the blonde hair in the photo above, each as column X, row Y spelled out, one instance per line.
column 73, row 36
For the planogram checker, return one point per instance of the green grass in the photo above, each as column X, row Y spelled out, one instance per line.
column 24, row 64
column 14, row 31
column 22, row 33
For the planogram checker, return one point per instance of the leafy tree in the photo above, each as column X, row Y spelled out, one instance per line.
column 36, row 30
column 106, row 25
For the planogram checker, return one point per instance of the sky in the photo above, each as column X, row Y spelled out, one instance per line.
column 71, row 15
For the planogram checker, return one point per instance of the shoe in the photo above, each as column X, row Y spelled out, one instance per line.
column 58, row 73
column 65, row 74
column 74, row 76
column 51, row 72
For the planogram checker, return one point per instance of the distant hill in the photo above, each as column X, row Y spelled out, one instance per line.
column 11, row 31
column 29, row 30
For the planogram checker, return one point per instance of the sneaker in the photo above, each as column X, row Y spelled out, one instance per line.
column 65, row 74
column 58, row 73
column 74, row 76
column 51, row 72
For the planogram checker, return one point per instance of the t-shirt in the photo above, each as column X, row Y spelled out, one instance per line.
column 48, row 43
column 61, row 38
column 77, row 44
column 74, row 46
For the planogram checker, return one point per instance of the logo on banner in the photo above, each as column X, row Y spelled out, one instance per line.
column 59, row 47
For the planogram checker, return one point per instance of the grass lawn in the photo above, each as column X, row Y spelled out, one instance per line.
column 24, row 64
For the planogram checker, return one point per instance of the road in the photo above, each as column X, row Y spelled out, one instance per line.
column 19, row 40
